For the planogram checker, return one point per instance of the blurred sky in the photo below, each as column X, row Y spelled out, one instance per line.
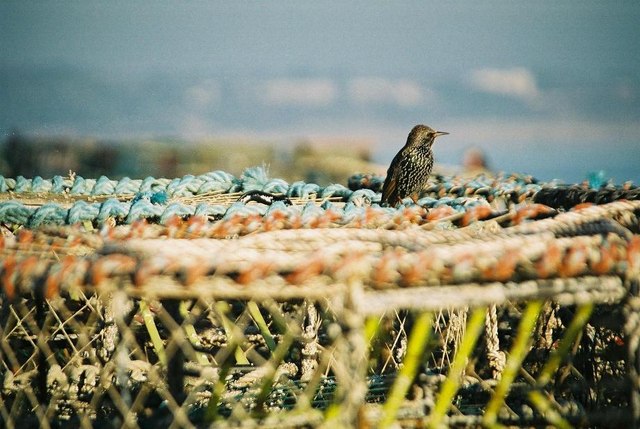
column 550, row 88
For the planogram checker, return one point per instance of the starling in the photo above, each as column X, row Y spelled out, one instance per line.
column 410, row 168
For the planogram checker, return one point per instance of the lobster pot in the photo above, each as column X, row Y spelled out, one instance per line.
column 130, row 356
column 476, row 308
column 126, row 355
column 214, row 352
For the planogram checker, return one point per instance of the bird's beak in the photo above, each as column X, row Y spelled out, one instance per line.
column 441, row 133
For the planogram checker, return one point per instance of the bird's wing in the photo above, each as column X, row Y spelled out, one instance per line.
column 390, row 187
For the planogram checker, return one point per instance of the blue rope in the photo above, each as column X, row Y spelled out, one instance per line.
column 240, row 209
column 82, row 211
column 49, row 213
column 303, row 190
column 79, row 186
column 254, row 178
column 22, row 184
column 215, row 210
column 14, row 212
column 146, row 184
column 336, row 190
column 125, row 186
column 216, row 181
column 278, row 207
column 310, row 212
column 351, row 212
column 176, row 209
column 38, row 184
column 143, row 209
column 181, row 187
column 152, row 196
column 114, row 209
column 57, row 185
column 276, row 186
column 104, row 186
column 4, row 185
column 364, row 197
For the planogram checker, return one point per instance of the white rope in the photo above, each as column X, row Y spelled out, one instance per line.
column 497, row 358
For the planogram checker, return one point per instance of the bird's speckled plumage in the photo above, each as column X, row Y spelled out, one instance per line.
column 411, row 167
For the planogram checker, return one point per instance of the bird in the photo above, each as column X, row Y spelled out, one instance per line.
column 411, row 167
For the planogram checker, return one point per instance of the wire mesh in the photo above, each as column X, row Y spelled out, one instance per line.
column 113, row 360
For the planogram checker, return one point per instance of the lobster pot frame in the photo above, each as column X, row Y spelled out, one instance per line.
column 138, row 357
column 197, row 302
column 114, row 358
column 133, row 357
